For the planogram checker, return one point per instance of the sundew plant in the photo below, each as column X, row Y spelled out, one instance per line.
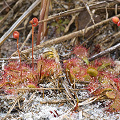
column 100, row 73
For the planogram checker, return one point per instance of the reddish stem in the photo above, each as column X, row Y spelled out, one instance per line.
column 32, row 46
column 16, row 36
column 34, row 23
column 19, row 58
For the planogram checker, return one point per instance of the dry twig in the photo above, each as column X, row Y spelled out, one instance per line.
column 66, row 37
column 16, row 100
column 19, row 21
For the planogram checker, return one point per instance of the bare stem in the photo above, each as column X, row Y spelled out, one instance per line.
column 42, row 15
column 32, row 46
column 19, row 58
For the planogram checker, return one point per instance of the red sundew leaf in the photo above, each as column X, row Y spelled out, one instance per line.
column 31, row 77
column 116, row 80
column 106, row 82
column 107, row 60
column 13, row 75
column 103, row 64
column 87, row 78
column 117, row 83
column 25, row 68
column 10, row 91
column 78, row 72
column 104, row 85
column 72, row 63
column 97, row 89
column 106, row 63
column 7, row 87
column 93, row 86
column 12, row 66
column 80, row 52
column 49, row 67
column 110, row 83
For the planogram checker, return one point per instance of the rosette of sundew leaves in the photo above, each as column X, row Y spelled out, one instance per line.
column 48, row 67
column 77, row 66
column 12, row 77
column 103, row 80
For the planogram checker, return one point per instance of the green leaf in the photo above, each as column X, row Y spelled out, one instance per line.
column 103, row 66
column 60, row 21
column 1, row 18
column 62, row 28
column 54, row 24
column 85, row 59
column 65, row 22
column 92, row 72
column 58, row 31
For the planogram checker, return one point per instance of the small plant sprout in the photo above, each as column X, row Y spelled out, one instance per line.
column 34, row 23
column 16, row 36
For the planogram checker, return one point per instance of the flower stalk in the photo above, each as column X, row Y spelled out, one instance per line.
column 16, row 36
column 34, row 23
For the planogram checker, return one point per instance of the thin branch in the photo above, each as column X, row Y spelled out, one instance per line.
column 19, row 21
column 12, row 106
column 22, row 89
column 105, row 52
column 66, row 37
column 75, row 10
column 88, row 9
